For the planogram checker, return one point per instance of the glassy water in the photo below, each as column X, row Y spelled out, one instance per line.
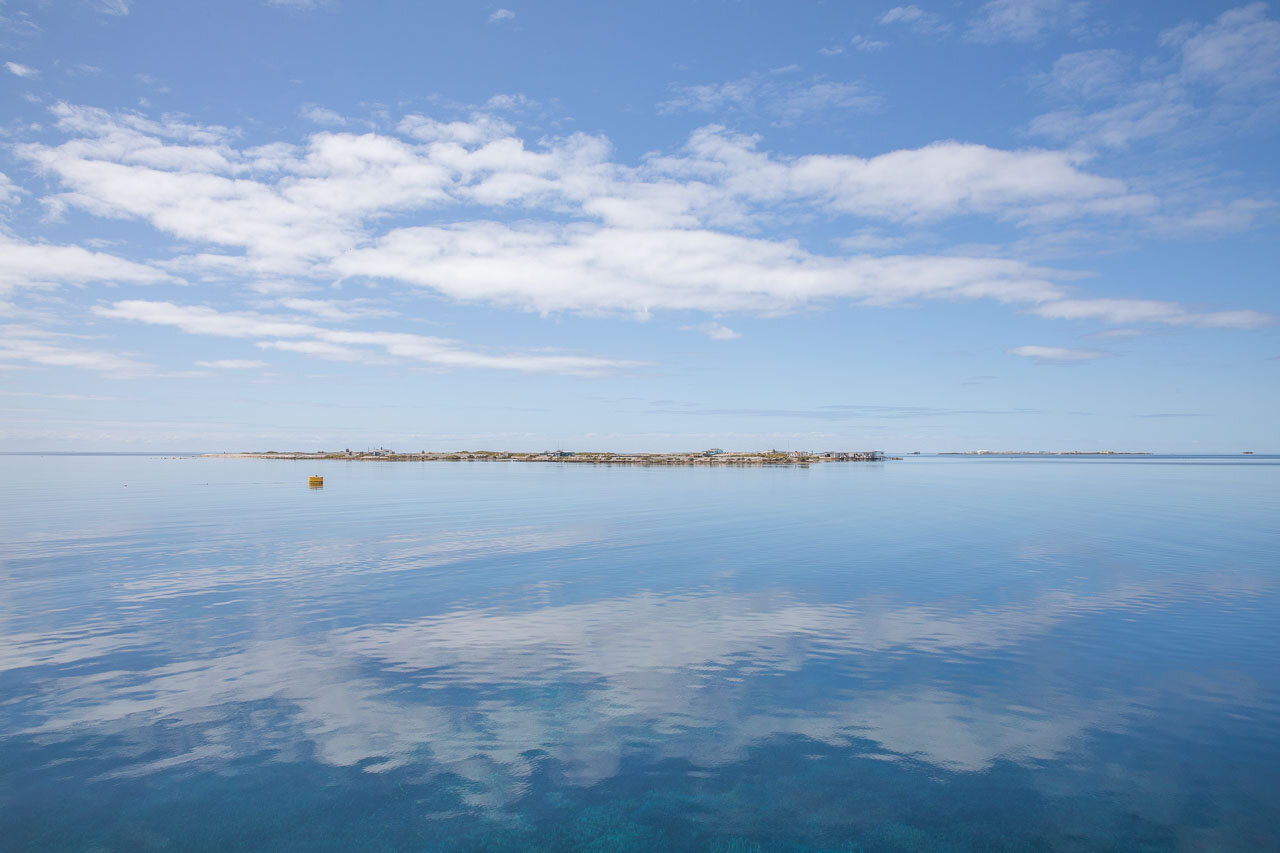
column 932, row 654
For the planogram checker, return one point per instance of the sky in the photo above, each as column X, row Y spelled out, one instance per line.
column 306, row 224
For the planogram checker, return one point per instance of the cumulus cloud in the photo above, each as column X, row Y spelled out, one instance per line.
column 1059, row 355
column 481, row 128
column 559, row 225
column 590, row 268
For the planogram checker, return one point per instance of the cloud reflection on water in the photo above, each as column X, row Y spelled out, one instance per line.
column 700, row 674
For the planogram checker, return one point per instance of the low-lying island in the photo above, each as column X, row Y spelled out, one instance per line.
column 706, row 457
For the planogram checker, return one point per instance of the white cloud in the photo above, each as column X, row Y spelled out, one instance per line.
column 322, row 115
column 715, row 331
column 648, row 659
column 232, row 364
column 21, row 70
column 294, row 201
column 24, row 264
column 202, row 320
column 343, row 345
column 478, row 130
column 301, row 5
column 600, row 269
column 1024, row 20
column 1059, row 355
column 501, row 15
column 509, row 101
column 563, row 226
column 915, row 17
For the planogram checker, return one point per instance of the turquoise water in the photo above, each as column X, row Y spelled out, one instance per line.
column 932, row 654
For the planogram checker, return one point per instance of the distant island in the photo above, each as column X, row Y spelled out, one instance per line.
column 1047, row 453
column 713, row 456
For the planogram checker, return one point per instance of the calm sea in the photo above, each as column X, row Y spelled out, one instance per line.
column 933, row 654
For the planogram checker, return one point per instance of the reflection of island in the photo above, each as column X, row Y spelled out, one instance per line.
column 1047, row 453
column 714, row 456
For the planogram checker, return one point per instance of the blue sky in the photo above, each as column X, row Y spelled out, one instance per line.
column 1024, row 224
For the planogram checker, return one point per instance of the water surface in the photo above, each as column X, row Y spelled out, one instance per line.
column 932, row 654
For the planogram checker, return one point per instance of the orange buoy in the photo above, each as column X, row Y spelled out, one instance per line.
column 315, row 481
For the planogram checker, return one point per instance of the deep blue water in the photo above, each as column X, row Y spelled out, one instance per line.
column 932, row 654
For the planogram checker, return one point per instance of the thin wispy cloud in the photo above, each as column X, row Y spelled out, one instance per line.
column 714, row 331
column 864, row 43
column 916, row 18
column 1059, row 355
column 832, row 413
column 35, row 346
column 1218, row 74
column 10, row 193
column 499, row 15
column 19, row 70
column 290, row 334
column 232, row 364
column 92, row 398
column 322, row 115
column 1025, row 20
column 110, row 7
column 783, row 94
column 1126, row 311
column 337, row 310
